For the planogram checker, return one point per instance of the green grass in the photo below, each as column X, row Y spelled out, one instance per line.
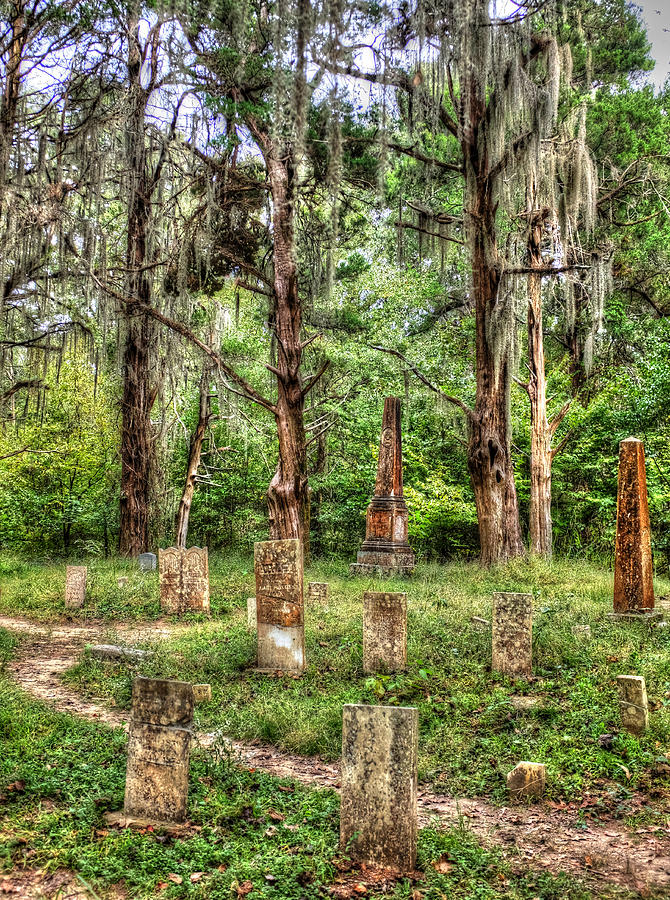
column 470, row 733
column 69, row 772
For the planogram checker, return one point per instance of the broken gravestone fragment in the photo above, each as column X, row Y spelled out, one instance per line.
column 114, row 653
column 512, row 635
column 278, row 566
column 384, row 632
column 633, row 703
column 251, row 612
column 527, row 779
column 75, row 586
column 159, row 746
column 378, row 812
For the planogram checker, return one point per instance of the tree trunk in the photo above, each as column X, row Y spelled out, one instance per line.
column 138, row 395
column 288, row 492
column 541, row 432
column 194, row 453
column 11, row 89
column 489, row 441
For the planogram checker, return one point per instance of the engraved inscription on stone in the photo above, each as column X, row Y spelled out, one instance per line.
column 512, row 634
column 75, row 586
column 317, row 591
column 633, row 703
column 159, row 749
column 279, row 605
column 184, row 579
column 527, row 779
column 378, row 812
column 384, row 632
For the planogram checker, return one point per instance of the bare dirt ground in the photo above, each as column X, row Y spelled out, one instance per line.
column 536, row 836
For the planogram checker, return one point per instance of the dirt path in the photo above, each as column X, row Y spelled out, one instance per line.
column 535, row 836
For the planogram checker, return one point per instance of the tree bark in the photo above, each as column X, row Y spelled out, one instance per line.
column 540, row 525
column 138, row 394
column 194, row 454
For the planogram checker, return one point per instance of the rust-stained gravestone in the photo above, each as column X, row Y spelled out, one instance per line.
column 527, row 779
column 159, row 746
column 378, row 814
column 633, row 573
column 384, row 632
column 317, row 592
column 184, row 579
column 278, row 567
column 512, row 635
column 75, row 586
column 385, row 549
column 633, row 703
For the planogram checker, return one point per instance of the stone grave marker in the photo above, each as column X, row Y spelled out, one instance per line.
column 633, row 571
column 147, row 562
column 378, row 811
column 75, row 586
column 512, row 635
column 159, row 746
column 527, row 779
column 317, row 592
column 184, row 579
column 385, row 549
column 251, row 612
column 384, row 632
column 278, row 566
column 633, row 703
column 202, row 693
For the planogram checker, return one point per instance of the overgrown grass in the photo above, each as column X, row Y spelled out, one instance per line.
column 471, row 732
column 59, row 775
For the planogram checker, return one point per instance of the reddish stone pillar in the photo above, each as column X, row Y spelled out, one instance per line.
column 633, row 572
column 385, row 548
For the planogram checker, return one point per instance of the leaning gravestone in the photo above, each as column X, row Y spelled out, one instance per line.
column 147, row 562
column 159, row 746
column 633, row 703
column 633, row 571
column 75, row 586
column 183, row 577
column 512, row 634
column 317, row 591
column 378, row 811
column 384, row 632
column 278, row 567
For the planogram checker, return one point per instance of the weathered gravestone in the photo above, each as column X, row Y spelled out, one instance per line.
column 75, row 586
column 278, row 567
column 378, row 811
column 527, row 779
column 251, row 612
column 512, row 635
column 202, row 693
column 633, row 703
column 317, row 592
column 633, row 571
column 384, row 632
column 184, row 579
column 385, row 548
column 147, row 562
column 159, row 746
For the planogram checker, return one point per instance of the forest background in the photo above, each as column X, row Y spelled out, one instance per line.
column 229, row 230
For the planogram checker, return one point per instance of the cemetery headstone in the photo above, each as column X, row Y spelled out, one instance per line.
column 512, row 634
column 378, row 811
column 527, row 779
column 384, row 632
column 633, row 703
column 317, row 591
column 202, row 693
column 159, row 746
column 385, row 549
column 147, row 562
column 114, row 653
column 75, row 586
column 633, row 571
column 184, row 579
column 251, row 612
column 278, row 567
